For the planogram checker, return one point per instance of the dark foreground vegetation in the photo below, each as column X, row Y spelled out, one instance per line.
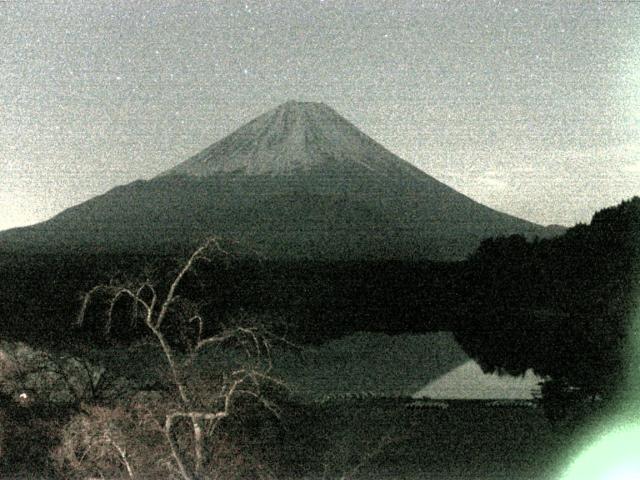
column 563, row 307
column 355, row 440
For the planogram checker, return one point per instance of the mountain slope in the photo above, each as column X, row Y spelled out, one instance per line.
column 295, row 138
column 297, row 182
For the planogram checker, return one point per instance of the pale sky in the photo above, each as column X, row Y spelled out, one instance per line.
column 532, row 108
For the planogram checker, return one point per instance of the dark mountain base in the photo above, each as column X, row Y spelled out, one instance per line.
column 40, row 295
column 315, row 216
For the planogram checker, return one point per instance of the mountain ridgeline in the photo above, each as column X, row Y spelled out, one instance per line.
column 298, row 182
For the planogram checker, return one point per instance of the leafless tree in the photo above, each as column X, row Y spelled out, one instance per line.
column 153, row 309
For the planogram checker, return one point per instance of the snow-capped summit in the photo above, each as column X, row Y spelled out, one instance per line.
column 292, row 138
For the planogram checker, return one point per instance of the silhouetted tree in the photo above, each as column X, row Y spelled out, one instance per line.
column 203, row 411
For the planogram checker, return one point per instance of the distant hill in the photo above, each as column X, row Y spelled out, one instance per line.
column 298, row 182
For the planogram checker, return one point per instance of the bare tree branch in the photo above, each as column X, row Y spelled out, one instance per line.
column 246, row 381
column 195, row 256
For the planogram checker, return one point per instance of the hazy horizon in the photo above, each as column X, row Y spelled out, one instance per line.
column 529, row 108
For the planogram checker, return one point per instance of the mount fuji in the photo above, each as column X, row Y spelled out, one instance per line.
column 298, row 182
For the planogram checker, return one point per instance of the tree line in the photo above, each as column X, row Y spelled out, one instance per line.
column 564, row 307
